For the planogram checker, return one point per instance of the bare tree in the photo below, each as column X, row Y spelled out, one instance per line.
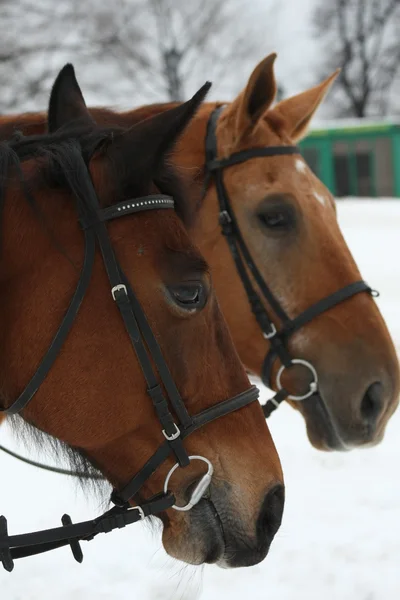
column 135, row 50
column 167, row 45
column 36, row 36
column 361, row 37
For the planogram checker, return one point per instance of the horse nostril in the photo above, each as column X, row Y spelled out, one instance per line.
column 270, row 517
column 372, row 403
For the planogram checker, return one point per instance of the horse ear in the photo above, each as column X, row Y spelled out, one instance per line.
column 142, row 148
column 298, row 110
column 67, row 104
column 257, row 96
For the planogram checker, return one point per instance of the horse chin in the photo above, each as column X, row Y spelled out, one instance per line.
column 220, row 529
column 321, row 429
column 196, row 537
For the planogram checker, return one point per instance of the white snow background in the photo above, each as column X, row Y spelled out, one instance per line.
column 340, row 538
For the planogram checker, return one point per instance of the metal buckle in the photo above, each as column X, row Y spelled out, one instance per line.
column 224, row 217
column 200, row 488
column 271, row 334
column 118, row 288
column 313, row 384
column 173, row 436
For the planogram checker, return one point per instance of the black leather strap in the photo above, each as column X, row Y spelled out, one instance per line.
column 239, row 157
column 305, row 317
column 224, row 408
column 135, row 322
column 217, row 411
column 57, row 470
column 37, row 542
column 63, row 331
column 273, row 403
column 240, row 253
column 324, row 305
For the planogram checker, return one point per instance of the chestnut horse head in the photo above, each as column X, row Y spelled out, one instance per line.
column 95, row 398
column 286, row 219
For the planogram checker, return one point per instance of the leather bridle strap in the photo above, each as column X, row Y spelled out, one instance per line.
column 308, row 315
column 231, row 231
column 131, row 311
column 236, row 158
column 325, row 304
column 63, row 331
column 51, row 468
column 37, row 542
column 228, row 222
column 206, row 416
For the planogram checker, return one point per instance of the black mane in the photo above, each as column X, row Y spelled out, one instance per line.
column 75, row 459
column 62, row 166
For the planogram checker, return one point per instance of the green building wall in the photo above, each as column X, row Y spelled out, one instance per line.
column 322, row 143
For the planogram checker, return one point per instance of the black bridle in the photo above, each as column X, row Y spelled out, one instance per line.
column 260, row 293
column 92, row 219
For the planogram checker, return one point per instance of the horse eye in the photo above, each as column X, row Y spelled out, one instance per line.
column 190, row 296
column 276, row 219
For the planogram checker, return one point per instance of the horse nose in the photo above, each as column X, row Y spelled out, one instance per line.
column 247, row 552
column 373, row 404
column 270, row 517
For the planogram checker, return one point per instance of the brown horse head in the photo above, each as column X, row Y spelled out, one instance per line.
column 94, row 399
column 288, row 220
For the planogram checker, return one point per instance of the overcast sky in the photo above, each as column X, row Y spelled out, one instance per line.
column 287, row 32
column 294, row 44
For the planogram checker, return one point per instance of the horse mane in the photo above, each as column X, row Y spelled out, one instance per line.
column 59, row 152
column 110, row 117
column 30, row 123
column 86, row 473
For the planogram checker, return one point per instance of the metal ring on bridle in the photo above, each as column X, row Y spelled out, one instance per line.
column 313, row 385
column 200, row 488
column 271, row 333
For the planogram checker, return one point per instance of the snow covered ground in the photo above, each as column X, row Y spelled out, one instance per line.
column 340, row 539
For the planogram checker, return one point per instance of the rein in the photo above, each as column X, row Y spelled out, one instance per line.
column 92, row 219
column 59, row 471
column 260, row 293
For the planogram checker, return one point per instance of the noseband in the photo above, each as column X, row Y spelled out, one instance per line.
column 92, row 219
column 260, row 293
